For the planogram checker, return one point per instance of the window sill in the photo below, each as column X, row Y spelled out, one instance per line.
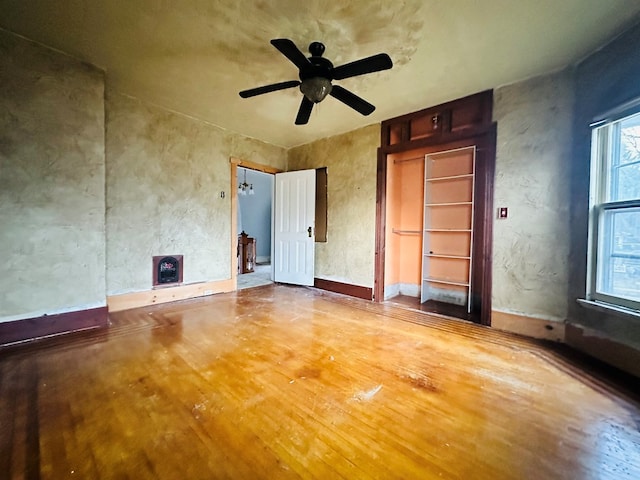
column 609, row 308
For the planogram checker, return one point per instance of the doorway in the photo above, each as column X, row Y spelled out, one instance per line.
column 252, row 187
column 269, row 235
column 255, row 195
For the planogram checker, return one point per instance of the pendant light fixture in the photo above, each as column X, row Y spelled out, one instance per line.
column 245, row 187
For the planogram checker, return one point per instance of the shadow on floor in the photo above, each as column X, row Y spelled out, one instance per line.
column 431, row 306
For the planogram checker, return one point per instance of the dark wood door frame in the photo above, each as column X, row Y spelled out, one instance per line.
column 484, row 139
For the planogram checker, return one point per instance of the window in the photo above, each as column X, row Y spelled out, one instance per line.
column 614, row 259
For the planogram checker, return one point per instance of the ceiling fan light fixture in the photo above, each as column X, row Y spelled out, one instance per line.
column 316, row 88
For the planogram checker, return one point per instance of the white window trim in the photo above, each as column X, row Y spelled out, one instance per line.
column 600, row 159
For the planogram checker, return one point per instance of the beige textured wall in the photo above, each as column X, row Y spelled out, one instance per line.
column 51, row 182
column 165, row 173
column 531, row 246
column 348, row 255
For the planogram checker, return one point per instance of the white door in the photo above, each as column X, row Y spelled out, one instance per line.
column 294, row 227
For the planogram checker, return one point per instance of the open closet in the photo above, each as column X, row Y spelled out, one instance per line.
column 434, row 216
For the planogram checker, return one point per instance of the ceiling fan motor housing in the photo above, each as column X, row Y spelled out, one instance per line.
column 319, row 66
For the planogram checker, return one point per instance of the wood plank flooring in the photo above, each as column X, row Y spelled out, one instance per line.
column 288, row 382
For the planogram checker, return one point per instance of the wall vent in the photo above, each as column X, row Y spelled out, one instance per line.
column 167, row 270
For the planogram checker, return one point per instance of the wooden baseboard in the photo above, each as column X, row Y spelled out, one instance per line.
column 127, row 301
column 597, row 345
column 528, row 326
column 48, row 325
column 357, row 291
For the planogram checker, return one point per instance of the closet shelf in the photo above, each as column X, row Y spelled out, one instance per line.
column 449, row 204
column 445, row 282
column 447, row 237
column 451, row 177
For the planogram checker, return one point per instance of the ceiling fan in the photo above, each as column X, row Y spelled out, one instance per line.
column 316, row 74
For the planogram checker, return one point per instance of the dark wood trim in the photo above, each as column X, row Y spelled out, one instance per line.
column 451, row 121
column 321, row 205
column 437, row 141
column 357, row 291
column 48, row 325
column 487, row 145
column 381, row 221
column 478, row 131
column 485, row 97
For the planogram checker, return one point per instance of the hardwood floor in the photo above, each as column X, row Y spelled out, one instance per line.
column 288, row 382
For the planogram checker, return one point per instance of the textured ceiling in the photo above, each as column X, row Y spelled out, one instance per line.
column 194, row 56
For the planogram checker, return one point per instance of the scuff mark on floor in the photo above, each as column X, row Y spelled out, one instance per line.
column 198, row 408
column 368, row 395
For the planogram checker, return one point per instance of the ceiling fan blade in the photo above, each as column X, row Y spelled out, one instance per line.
column 252, row 92
column 304, row 112
column 375, row 63
column 289, row 50
column 352, row 100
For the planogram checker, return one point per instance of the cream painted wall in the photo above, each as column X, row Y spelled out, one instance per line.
column 51, row 182
column 531, row 246
column 351, row 159
column 165, row 173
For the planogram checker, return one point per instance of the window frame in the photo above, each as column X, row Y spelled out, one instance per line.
column 604, row 146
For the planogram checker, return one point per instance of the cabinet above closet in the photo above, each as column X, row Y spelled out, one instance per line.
column 439, row 124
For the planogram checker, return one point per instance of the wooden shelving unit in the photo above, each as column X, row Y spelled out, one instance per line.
column 448, row 227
